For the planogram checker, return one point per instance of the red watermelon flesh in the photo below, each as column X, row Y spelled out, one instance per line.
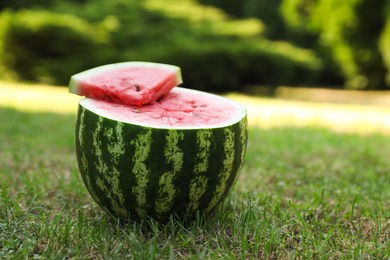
column 181, row 108
column 129, row 83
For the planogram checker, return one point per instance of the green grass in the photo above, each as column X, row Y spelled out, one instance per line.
column 306, row 191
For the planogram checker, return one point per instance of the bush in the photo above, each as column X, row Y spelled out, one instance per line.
column 23, row 4
column 265, row 10
column 348, row 33
column 48, row 47
column 385, row 43
column 228, row 65
column 216, row 53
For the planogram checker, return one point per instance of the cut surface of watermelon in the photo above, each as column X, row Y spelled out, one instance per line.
column 181, row 108
column 129, row 83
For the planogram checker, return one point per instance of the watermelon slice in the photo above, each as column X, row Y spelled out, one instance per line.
column 129, row 83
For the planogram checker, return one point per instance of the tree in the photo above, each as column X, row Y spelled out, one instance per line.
column 348, row 36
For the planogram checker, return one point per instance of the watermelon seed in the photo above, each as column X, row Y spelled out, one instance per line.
column 137, row 88
column 159, row 99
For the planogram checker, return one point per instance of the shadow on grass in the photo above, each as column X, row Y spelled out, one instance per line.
column 22, row 130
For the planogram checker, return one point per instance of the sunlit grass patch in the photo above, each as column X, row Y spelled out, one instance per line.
column 352, row 118
column 262, row 112
column 37, row 98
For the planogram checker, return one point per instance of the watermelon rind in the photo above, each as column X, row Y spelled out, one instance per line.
column 137, row 171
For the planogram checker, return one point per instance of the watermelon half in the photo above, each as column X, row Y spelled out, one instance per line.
column 130, row 83
column 180, row 154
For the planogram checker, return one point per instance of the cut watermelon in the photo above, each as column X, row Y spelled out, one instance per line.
column 158, row 160
column 129, row 83
column 178, row 155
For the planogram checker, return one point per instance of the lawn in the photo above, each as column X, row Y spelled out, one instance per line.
column 315, row 184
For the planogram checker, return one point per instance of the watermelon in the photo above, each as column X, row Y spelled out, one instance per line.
column 131, row 83
column 178, row 155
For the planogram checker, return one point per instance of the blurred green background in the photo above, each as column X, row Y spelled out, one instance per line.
column 221, row 45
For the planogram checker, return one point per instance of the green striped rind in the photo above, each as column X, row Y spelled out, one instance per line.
column 136, row 171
